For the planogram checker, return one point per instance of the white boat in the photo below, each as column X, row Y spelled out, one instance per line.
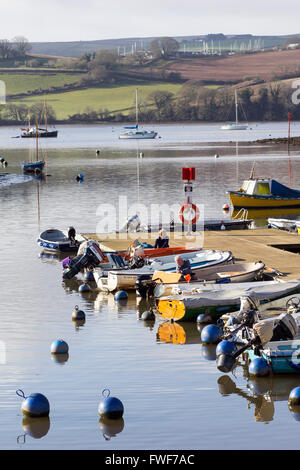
column 234, row 273
column 133, row 132
column 284, row 224
column 126, row 278
column 235, row 126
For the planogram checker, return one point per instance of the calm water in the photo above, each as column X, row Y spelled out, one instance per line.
column 173, row 394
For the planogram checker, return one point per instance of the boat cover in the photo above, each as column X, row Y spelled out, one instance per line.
column 231, row 294
column 278, row 189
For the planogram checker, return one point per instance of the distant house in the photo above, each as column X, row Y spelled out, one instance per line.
column 293, row 46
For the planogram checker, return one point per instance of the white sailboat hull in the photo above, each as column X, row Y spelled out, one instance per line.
column 138, row 135
column 234, row 127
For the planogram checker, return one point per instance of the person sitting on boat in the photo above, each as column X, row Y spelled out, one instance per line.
column 183, row 266
column 162, row 241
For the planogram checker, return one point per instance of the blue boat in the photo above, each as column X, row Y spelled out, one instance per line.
column 33, row 167
column 283, row 356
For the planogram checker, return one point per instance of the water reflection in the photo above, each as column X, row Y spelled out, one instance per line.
column 34, row 427
column 178, row 334
column 263, row 393
column 60, row 358
column 111, row 427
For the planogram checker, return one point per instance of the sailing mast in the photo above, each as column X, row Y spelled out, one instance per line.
column 45, row 114
column 136, row 108
column 236, row 107
column 36, row 141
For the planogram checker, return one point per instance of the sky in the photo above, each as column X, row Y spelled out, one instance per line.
column 73, row 20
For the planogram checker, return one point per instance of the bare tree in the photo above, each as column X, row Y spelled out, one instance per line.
column 5, row 48
column 21, row 46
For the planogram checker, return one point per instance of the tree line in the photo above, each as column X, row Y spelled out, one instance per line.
column 17, row 47
column 193, row 102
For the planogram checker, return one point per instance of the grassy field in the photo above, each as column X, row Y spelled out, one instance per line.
column 109, row 97
column 22, row 82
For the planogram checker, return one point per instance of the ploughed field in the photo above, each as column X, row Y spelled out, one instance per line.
column 233, row 68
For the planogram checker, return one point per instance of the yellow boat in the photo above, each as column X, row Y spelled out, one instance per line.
column 264, row 193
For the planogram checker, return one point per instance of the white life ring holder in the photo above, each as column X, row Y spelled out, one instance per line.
column 183, row 209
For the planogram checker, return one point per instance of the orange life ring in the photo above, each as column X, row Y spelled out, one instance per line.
column 183, row 209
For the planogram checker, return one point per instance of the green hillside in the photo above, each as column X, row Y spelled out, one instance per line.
column 23, row 82
column 111, row 98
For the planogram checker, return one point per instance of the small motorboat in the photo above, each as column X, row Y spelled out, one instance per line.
column 126, row 278
column 161, row 283
column 33, row 167
column 56, row 241
column 217, row 299
column 269, row 334
column 284, row 224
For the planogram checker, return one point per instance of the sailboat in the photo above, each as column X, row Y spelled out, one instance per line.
column 134, row 132
column 37, row 166
column 42, row 132
column 235, row 126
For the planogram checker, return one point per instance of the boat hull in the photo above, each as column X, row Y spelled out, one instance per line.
column 151, row 135
column 240, row 200
column 235, row 273
column 32, row 167
column 283, row 356
column 187, row 308
column 40, row 134
column 126, row 279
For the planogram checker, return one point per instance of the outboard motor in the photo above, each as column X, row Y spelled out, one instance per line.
column 132, row 225
column 285, row 328
column 248, row 314
column 136, row 262
column 282, row 328
column 145, row 286
column 91, row 258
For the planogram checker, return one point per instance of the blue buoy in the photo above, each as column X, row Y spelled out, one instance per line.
column 84, row 288
column 35, row 405
column 148, row 315
column 110, row 407
column 204, row 318
column 121, row 294
column 89, row 276
column 78, row 314
column 79, row 177
column 211, row 334
column 259, row 367
column 294, row 397
column 225, row 347
column 59, row 346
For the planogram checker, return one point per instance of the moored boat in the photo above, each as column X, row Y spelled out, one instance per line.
column 126, row 278
column 56, row 241
column 263, row 193
column 218, row 299
column 284, row 224
column 133, row 132
column 233, row 273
